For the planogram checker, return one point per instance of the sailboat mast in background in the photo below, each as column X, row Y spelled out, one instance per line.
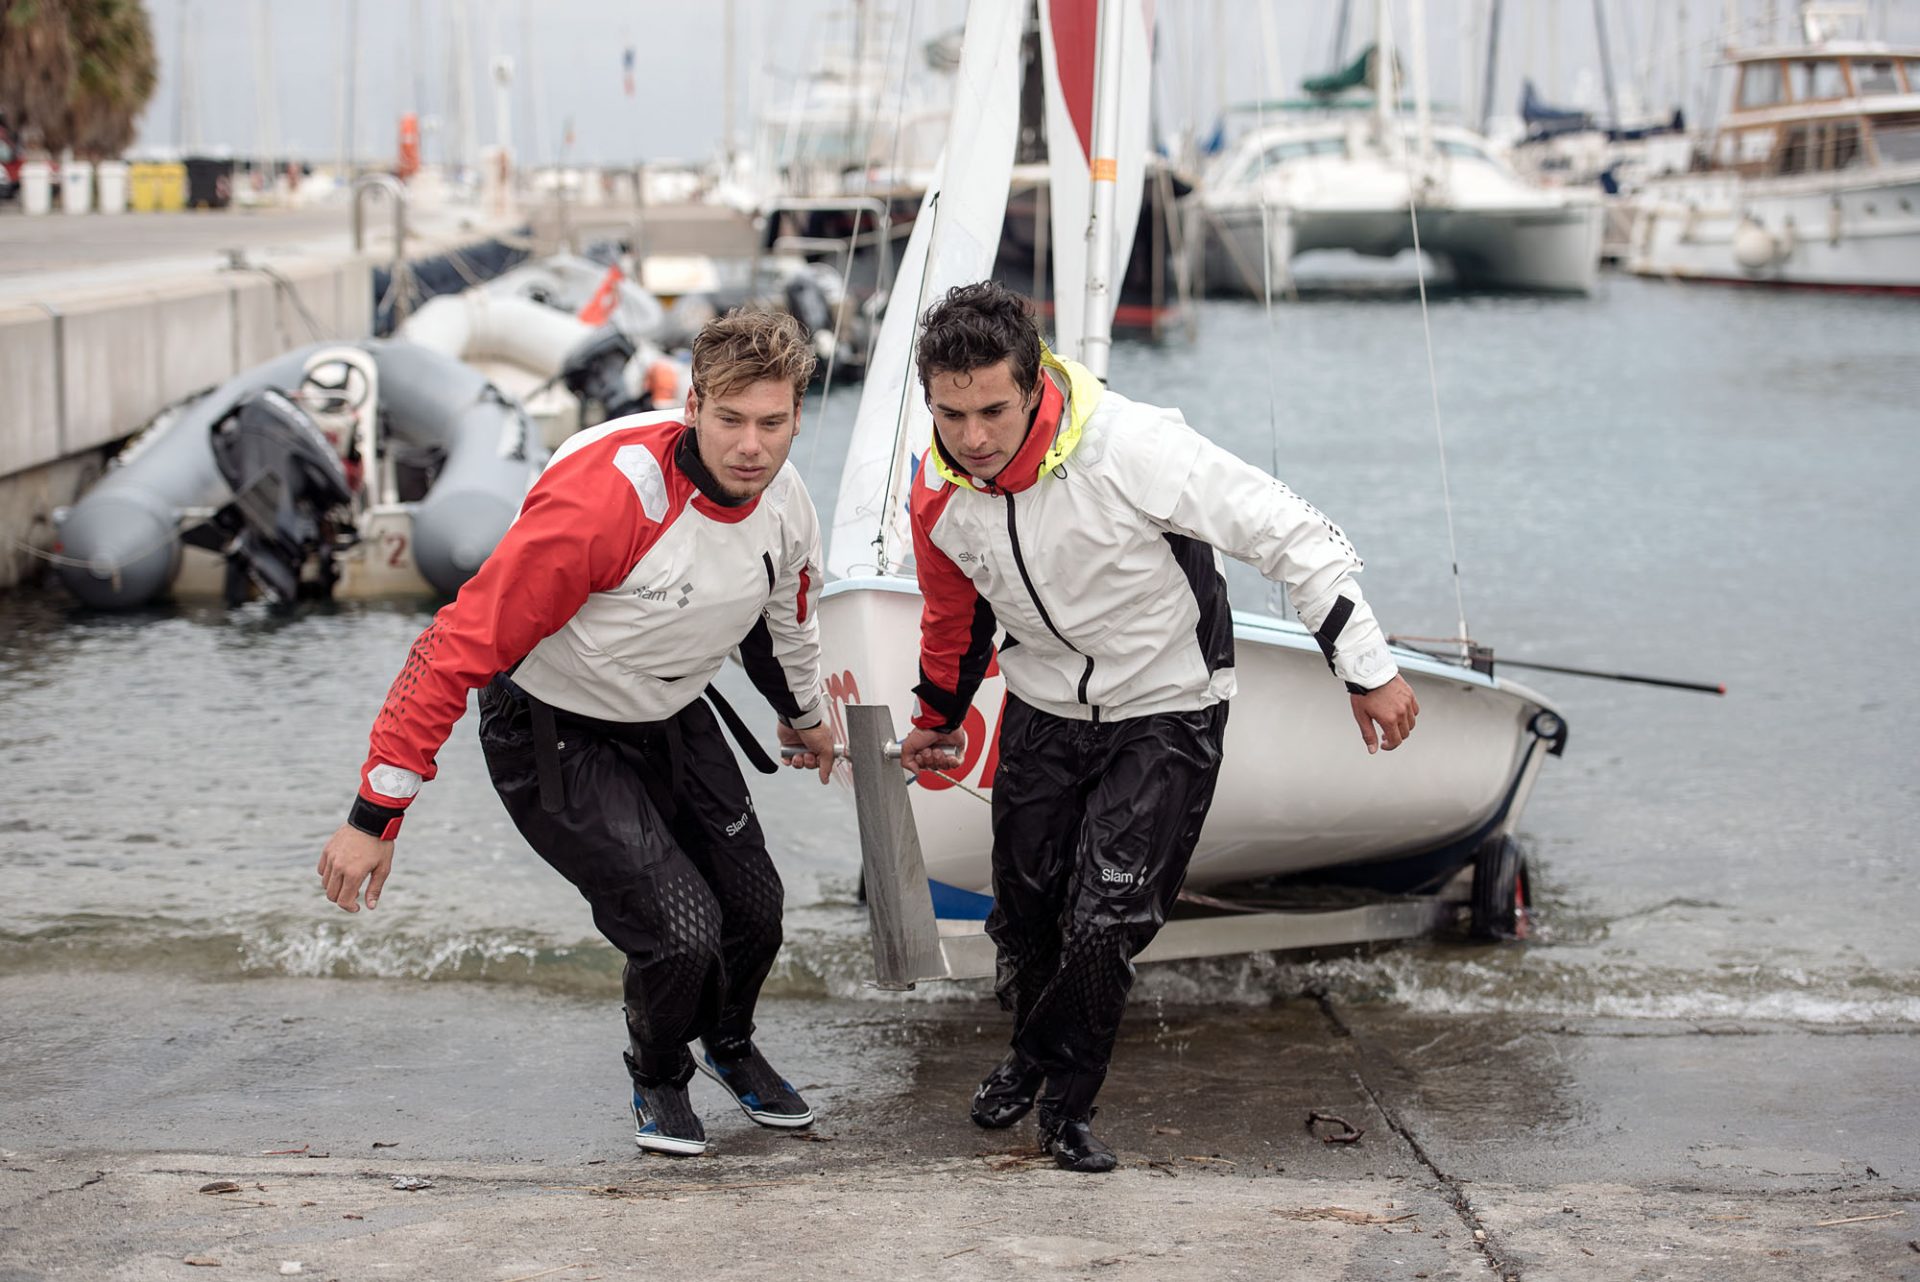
column 1097, row 342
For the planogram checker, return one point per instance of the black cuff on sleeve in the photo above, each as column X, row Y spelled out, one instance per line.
column 951, row 707
column 375, row 820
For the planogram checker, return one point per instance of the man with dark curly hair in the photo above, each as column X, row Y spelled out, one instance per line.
column 1082, row 527
column 650, row 548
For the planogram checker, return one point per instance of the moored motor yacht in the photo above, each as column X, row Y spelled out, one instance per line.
column 1812, row 177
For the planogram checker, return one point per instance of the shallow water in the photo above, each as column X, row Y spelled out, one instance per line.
column 1696, row 482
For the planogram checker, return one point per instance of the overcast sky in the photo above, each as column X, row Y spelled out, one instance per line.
column 259, row 74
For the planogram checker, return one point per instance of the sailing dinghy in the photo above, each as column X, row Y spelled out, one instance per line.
column 1298, row 794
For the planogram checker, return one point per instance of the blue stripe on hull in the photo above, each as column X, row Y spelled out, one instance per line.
column 950, row 903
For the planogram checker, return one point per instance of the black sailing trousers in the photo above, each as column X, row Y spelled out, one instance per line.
column 656, row 830
column 1093, row 826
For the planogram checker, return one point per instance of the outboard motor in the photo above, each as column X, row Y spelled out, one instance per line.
column 286, row 480
column 808, row 303
column 595, row 371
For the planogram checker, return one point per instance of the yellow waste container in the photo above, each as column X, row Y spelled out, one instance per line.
column 172, row 187
column 143, row 188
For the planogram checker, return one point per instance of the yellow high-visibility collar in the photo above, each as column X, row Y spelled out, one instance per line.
column 1083, row 394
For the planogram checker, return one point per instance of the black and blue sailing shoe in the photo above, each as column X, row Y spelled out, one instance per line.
column 762, row 1094
column 664, row 1121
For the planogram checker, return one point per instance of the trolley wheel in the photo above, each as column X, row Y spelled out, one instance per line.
column 1502, row 891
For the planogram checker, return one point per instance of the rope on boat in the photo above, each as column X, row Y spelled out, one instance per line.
column 963, row 787
column 286, row 287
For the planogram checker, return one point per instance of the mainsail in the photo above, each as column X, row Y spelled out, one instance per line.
column 957, row 233
column 954, row 240
column 1068, row 45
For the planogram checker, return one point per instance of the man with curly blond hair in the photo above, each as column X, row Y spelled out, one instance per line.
column 650, row 548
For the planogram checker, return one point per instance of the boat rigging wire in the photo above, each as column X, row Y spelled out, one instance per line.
column 900, row 413
column 1276, row 598
column 1390, row 90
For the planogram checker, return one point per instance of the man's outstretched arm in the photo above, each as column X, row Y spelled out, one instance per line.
column 1191, row 486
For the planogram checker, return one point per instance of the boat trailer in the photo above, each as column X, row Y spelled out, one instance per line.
column 911, row 946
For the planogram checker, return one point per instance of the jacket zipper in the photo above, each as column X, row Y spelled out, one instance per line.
column 1020, row 564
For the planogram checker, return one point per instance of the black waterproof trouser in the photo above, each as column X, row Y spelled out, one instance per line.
column 1093, row 826
column 654, row 826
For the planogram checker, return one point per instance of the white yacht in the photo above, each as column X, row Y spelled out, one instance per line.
column 1346, row 179
column 1812, row 178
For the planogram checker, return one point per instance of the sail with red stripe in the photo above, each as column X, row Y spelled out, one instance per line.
column 1069, row 43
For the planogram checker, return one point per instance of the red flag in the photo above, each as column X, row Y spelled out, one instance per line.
column 604, row 299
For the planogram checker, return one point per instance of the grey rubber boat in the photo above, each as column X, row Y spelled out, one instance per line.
column 357, row 469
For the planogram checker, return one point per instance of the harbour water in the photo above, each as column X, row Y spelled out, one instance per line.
column 1696, row 482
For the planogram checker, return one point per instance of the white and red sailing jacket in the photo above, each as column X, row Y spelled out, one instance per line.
column 619, row 590
column 1095, row 549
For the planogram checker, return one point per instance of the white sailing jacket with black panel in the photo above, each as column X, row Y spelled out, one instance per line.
column 1096, row 550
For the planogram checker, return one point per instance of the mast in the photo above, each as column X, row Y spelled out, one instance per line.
column 417, row 38
column 463, row 83
column 1680, row 52
column 727, row 59
column 347, row 142
column 1383, row 86
column 1606, row 62
column 1340, row 35
column 530, row 88
column 1107, row 92
column 1422, row 94
column 1493, row 63
column 266, row 141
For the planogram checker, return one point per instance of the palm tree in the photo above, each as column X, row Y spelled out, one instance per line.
column 76, row 73
column 36, row 70
column 113, row 74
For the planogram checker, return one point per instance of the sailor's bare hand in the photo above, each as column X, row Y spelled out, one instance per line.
column 351, row 858
column 933, row 749
column 1393, row 708
column 818, row 742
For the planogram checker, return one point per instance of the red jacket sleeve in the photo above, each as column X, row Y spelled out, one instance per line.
column 956, row 624
column 581, row 530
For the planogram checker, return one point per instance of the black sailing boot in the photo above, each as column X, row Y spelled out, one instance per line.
column 1066, row 1123
column 1007, row 1092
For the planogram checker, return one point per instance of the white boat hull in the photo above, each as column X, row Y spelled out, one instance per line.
column 1298, row 791
column 1540, row 248
column 1822, row 230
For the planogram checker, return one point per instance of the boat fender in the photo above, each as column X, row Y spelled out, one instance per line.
column 1754, row 247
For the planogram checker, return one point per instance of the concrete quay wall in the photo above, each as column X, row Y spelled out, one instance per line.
column 81, row 371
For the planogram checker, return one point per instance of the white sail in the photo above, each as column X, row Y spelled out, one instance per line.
column 1068, row 34
column 954, row 240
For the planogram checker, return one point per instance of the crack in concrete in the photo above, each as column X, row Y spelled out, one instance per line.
column 83, row 1184
column 1482, row 1238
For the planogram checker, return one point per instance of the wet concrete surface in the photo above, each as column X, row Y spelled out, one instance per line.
column 1491, row 1147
